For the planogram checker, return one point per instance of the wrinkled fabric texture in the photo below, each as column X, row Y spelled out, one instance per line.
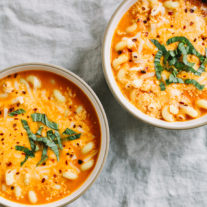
column 146, row 166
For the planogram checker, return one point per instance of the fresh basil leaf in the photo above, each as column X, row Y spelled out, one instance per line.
column 19, row 111
column 32, row 137
column 71, row 138
column 195, row 83
column 162, row 86
column 159, row 46
column 73, row 135
column 44, row 156
column 51, row 135
column 39, row 132
column 58, row 139
column 51, row 144
column 28, row 153
column 185, row 41
column 43, row 118
column 69, row 132
column 158, row 66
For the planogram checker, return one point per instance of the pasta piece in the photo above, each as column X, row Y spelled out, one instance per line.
column 58, row 95
column 27, row 179
column 120, row 60
column 202, row 103
column 57, row 187
column 88, row 147
column 9, row 177
column 32, row 197
column 121, row 45
column 7, row 87
column 34, row 81
column 189, row 111
column 174, row 109
column 18, row 191
column 171, row 4
column 167, row 116
column 133, row 95
column 121, row 75
column 70, row 175
column 87, row 165
column 131, row 28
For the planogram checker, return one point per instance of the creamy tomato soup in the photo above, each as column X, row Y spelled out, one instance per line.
column 159, row 58
column 49, row 137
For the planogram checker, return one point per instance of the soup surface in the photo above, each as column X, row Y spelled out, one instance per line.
column 159, row 59
column 49, row 137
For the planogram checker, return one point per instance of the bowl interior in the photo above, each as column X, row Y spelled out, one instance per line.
column 106, row 56
column 102, row 120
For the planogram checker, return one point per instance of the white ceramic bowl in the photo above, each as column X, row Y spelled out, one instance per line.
column 106, row 55
column 102, row 120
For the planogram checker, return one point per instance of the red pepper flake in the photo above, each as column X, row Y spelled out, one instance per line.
column 24, row 92
column 184, row 27
column 2, row 139
column 203, row 43
column 195, row 40
column 143, row 71
column 143, row 8
column 67, row 153
column 145, row 21
column 11, row 109
column 1, row 134
column 43, row 180
column 129, row 50
column 134, row 40
column 119, row 52
column 54, row 175
column 15, row 75
column 17, row 173
column 80, row 162
column 66, row 162
column 18, row 104
column 191, row 10
column 158, row 36
column 35, row 109
column 16, row 119
column 17, row 142
column 191, row 23
column 8, row 164
column 186, row 10
column 12, row 187
column 14, row 125
column 60, row 171
column 170, row 13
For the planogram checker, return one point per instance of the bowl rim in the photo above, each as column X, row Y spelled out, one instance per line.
column 110, row 79
column 103, row 121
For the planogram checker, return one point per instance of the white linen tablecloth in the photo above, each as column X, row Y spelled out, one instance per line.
column 146, row 166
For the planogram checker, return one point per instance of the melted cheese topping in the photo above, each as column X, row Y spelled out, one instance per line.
column 63, row 103
column 132, row 56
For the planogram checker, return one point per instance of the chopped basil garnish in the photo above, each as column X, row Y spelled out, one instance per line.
column 44, row 156
column 52, row 141
column 195, row 83
column 39, row 132
column 19, row 111
column 32, row 137
column 28, row 153
column 73, row 135
column 43, row 118
column 51, row 144
column 176, row 61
